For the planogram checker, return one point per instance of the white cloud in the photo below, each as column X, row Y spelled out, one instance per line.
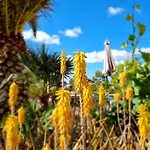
column 144, row 49
column 94, row 57
column 75, row 32
column 114, row 10
column 98, row 57
column 119, row 56
column 41, row 36
column 138, row 10
column 117, row 62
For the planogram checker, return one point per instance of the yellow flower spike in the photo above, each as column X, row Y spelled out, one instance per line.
column 21, row 116
column 123, row 79
column 102, row 98
column 87, row 99
column 11, row 133
column 129, row 93
column 62, row 118
column 13, row 96
column 55, row 119
column 80, row 78
column 117, row 97
column 46, row 147
column 62, row 142
column 55, row 116
column 143, row 123
column 63, row 62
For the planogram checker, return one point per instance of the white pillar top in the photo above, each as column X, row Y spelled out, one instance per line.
column 106, row 42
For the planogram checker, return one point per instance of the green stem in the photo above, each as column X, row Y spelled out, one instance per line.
column 101, row 113
column 133, row 28
column 32, row 141
column 124, row 115
column 45, row 137
column 118, row 117
column 129, row 115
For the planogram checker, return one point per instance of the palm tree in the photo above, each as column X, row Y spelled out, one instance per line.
column 46, row 66
column 14, row 15
column 45, row 73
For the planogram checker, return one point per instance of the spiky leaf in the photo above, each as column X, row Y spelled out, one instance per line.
column 138, row 7
column 124, row 45
column 129, row 18
column 141, row 28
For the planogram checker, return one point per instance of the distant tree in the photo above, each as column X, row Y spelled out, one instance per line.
column 96, row 80
column 46, row 66
column 71, row 84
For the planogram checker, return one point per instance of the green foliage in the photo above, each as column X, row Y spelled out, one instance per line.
column 138, row 7
column 37, row 121
column 141, row 28
column 37, row 88
column 45, row 117
column 46, row 66
column 30, row 107
column 138, row 30
column 145, row 56
column 129, row 17
column 131, row 37
column 71, row 84
column 124, row 45
column 96, row 80
column 15, row 14
column 138, row 78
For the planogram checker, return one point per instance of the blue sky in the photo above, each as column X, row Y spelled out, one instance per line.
column 85, row 25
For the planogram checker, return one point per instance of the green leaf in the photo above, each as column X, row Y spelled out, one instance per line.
column 138, row 7
column 141, row 28
column 135, row 108
column 145, row 56
column 129, row 18
column 136, row 101
column 136, row 90
column 147, row 102
column 124, row 45
column 131, row 37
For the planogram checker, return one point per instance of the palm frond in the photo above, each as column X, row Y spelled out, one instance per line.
column 33, row 24
column 46, row 66
column 14, row 14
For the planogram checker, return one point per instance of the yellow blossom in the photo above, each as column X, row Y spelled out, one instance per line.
column 129, row 93
column 11, row 133
column 123, row 79
column 117, row 97
column 80, row 78
column 62, row 142
column 61, row 116
column 46, row 147
column 87, row 99
column 21, row 116
column 102, row 98
column 143, row 123
column 55, row 117
column 13, row 96
column 63, row 63
column 55, row 121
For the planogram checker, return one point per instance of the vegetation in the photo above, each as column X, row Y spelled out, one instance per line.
column 47, row 118
column 14, row 15
column 46, row 66
column 57, row 125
